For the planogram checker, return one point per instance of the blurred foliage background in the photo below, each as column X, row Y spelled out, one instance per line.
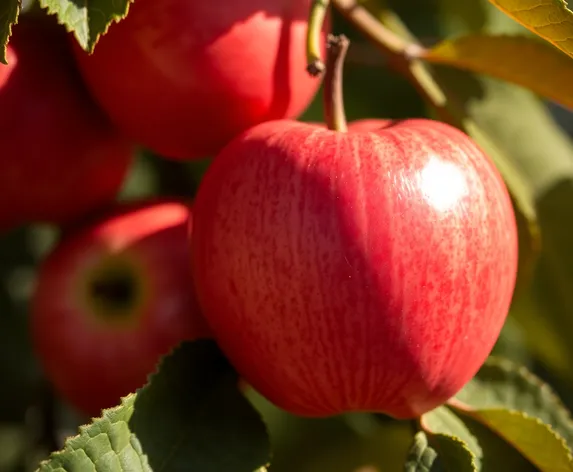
column 536, row 134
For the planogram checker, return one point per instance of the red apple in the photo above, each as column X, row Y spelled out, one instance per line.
column 61, row 158
column 184, row 77
column 111, row 299
column 359, row 271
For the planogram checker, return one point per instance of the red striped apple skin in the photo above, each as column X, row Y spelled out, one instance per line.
column 354, row 271
column 184, row 77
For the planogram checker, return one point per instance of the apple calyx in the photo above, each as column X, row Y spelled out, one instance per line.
column 114, row 291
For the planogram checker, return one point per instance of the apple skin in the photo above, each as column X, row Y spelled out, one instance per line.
column 359, row 271
column 94, row 356
column 61, row 157
column 184, row 77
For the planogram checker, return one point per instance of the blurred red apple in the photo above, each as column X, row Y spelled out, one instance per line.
column 111, row 299
column 358, row 271
column 184, row 77
column 60, row 156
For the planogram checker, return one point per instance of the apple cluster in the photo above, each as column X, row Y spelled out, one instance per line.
column 359, row 267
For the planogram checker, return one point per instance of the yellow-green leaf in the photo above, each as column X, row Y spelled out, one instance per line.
column 502, row 384
column 523, row 60
column 550, row 19
column 534, row 439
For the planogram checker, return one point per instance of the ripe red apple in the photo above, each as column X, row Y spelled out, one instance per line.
column 184, row 77
column 60, row 157
column 111, row 299
column 358, row 271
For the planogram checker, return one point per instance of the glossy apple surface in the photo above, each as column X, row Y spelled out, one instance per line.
column 111, row 299
column 359, row 271
column 184, row 77
column 60, row 156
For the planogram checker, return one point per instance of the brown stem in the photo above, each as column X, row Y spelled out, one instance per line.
column 334, row 114
column 402, row 51
column 389, row 42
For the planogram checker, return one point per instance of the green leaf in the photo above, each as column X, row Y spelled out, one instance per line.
column 536, row 440
column 512, row 343
column 545, row 336
column 421, row 456
column 439, row 453
column 443, row 421
column 190, row 416
column 523, row 60
column 457, row 17
column 9, row 12
column 501, row 383
column 552, row 297
column 498, row 454
column 550, row 19
column 107, row 442
column 209, row 424
column 87, row 19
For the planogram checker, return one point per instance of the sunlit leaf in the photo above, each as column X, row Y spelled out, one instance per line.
column 523, row 60
column 550, row 19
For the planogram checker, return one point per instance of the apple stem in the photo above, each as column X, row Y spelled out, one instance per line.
column 334, row 113
column 403, row 52
column 391, row 44
column 318, row 11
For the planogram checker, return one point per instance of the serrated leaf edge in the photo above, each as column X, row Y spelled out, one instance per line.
column 509, row 366
column 3, row 58
column 126, row 402
column 86, row 46
column 456, row 439
column 475, row 414
column 424, row 426
column 129, row 402
column 157, row 370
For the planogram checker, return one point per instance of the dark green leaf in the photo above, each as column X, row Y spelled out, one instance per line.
column 439, row 453
column 421, row 457
column 512, row 343
column 552, row 298
column 87, row 19
column 9, row 11
column 443, row 421
column 190, row 416
column 208, row 424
